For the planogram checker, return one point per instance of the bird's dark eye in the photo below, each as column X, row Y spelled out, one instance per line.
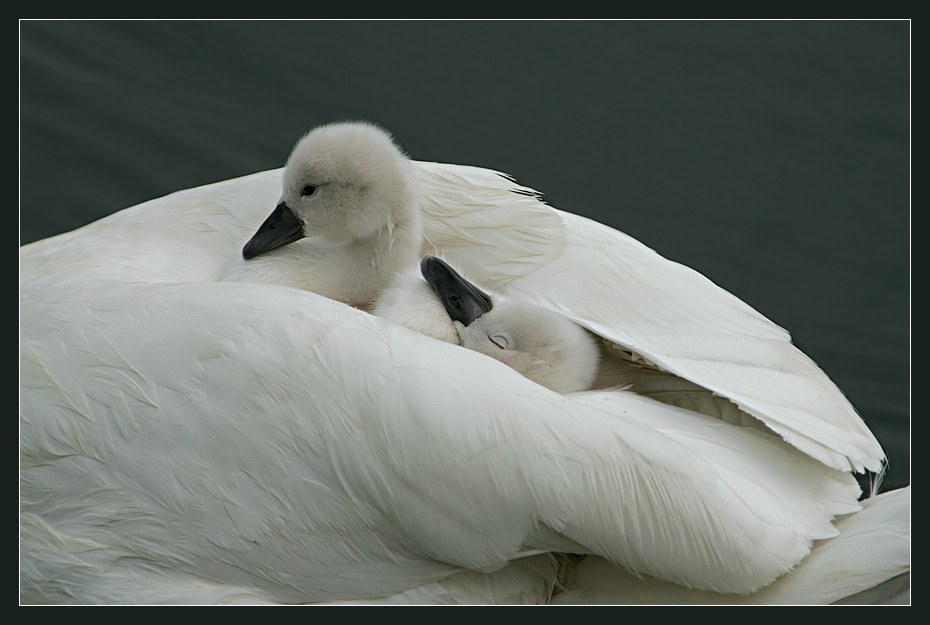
column 308, row 190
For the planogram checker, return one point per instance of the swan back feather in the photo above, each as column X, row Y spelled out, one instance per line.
column 668, row 315
column 258, row 451
column 274, row 442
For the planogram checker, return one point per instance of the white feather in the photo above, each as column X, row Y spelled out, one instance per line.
column 319, row 452
column 625, row 292
column 225, row 440
column 868, row 562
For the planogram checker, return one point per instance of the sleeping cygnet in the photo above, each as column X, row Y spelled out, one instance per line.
column 538, row 343
column 348, row 219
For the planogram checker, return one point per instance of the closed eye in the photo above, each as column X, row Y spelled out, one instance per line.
column 500, row 340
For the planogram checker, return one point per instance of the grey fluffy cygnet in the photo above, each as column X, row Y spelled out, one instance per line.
column 347, row 221
column 347, row 226
column 540, row 344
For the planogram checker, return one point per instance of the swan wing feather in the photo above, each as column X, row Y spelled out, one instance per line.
column 664, row 312
column 258, row 436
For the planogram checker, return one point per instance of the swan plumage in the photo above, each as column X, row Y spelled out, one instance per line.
column 221, row 436
column 359, row 459
column 660, row 313
column 666, row 315
column 867, row 562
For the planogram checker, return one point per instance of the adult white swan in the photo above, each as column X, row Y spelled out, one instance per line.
column 189, row 439
column 348, row 221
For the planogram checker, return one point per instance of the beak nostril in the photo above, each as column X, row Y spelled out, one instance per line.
column 279, row 229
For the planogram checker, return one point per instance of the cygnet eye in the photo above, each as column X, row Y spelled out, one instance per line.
column 500, row 340
column 307, row 190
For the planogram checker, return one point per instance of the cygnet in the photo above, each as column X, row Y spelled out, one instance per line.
column 348, row 220
column 538, row 343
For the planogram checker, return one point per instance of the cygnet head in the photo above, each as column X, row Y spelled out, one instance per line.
column 540, row 344
column 345, row 182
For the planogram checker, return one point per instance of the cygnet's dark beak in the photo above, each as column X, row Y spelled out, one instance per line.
column 463, row 300
column 281, row 227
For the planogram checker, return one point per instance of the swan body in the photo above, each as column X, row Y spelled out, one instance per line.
column 867, row 562
column 191, row 433
column 711, row 351
column 658, row 313
column 321, row 453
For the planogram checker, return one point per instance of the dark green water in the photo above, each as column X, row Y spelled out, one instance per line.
column 771, row 156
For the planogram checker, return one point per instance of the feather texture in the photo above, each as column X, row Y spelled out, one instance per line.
column 189, row 439
column 867, row 562
column 322, row 453
column 625, row 292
